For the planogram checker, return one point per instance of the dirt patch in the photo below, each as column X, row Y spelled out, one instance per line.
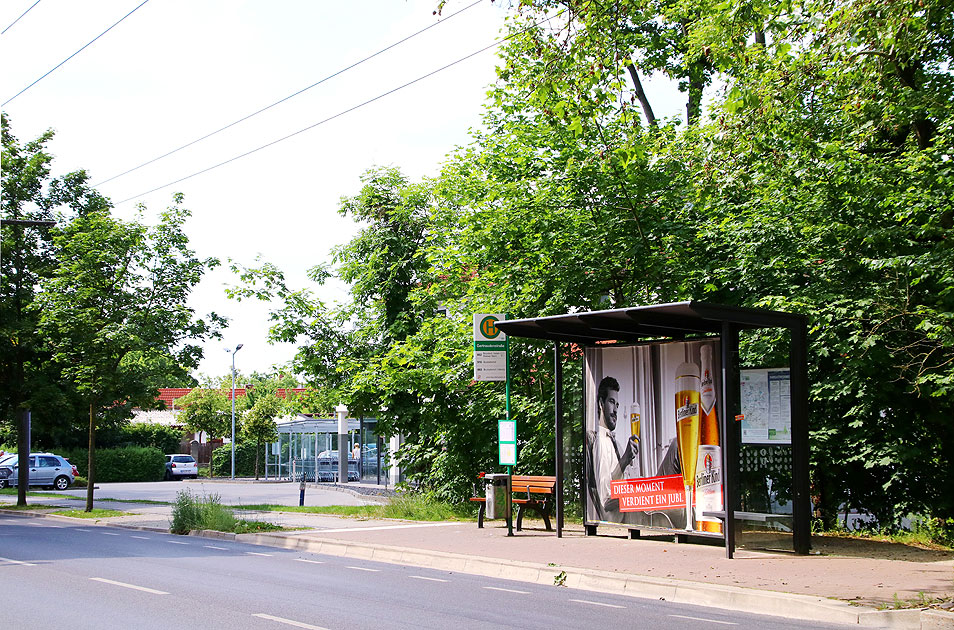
column 880, row 549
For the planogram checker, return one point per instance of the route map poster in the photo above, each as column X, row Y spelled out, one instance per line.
column 766, row 397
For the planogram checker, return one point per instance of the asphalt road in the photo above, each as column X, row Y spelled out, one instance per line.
column 59, row 575
column 230, row 493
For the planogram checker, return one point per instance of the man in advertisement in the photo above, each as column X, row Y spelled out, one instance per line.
column 606, row 459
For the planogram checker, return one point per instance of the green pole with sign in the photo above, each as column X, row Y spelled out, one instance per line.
column 492, row 363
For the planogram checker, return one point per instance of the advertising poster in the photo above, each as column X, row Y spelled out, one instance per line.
column 652, row 446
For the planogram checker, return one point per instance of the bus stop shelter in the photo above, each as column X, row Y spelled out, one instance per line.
column 651, row 334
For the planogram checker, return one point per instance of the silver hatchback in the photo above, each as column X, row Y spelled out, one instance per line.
column 46, row 469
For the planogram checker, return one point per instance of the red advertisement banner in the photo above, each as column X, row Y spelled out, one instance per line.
column 649, row 493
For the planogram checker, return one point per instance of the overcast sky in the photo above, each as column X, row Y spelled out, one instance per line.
column 175, row 70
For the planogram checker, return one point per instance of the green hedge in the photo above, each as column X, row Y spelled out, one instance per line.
column 132, row 463
column 244, row 460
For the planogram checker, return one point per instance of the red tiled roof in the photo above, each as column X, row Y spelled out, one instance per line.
column 168, row 395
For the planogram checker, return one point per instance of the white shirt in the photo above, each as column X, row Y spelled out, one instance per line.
column 607, row 464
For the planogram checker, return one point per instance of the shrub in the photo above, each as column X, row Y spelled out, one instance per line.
column 244, row 460
column 191, row 512
column 937, row 530
column 186, row 513
column 132, row 463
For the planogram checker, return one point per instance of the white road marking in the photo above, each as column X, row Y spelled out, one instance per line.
column 79, row 529
column 506, row 590
column 140, row 537
column 309, row 561
column 382, row 527
column 586, row 601
column 214, row 547
column 724, row 623
column 132, row 586
column 109, row 533
column 364, row 569
column 255, row 553
column 26, row 564
column 176, row 542
column 429, row 579
column 288, row 622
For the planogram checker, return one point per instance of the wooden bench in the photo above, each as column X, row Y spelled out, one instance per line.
column 527, row 491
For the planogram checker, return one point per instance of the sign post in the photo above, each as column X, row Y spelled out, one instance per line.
column 492, row 363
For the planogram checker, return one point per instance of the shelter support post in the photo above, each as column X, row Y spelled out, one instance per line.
column 801, row 505
column 558, row 431
column 730, row 430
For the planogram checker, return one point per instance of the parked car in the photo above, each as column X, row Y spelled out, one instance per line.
column 46, row 469
column 181, row 467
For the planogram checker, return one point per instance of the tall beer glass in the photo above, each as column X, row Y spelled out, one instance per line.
column 687, row 428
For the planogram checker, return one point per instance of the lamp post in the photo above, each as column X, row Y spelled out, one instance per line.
column 237, row 348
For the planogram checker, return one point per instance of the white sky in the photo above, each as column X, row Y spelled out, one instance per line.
column 176, row 70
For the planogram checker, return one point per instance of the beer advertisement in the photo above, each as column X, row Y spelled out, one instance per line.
column 652, row 445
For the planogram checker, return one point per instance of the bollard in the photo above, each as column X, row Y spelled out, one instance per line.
column 301, row 498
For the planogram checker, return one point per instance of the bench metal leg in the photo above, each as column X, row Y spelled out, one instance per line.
column 520, row 508
column 546, row 519
column 480, row 515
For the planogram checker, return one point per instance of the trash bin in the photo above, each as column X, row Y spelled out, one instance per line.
column 497, row 489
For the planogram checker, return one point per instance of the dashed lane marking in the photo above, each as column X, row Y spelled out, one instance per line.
column 429, row 579
column 131, row 586
column 309, row 561
column 255, row 553
column 21, row 562
column 288, row 622
column 214, row 547
column 506, row 590
column 724, row 623
column 586, row 601
column 365, row 569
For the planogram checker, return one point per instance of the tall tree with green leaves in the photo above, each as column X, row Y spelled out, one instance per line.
column 258, row 422
column 118, row 295
column 209, row 410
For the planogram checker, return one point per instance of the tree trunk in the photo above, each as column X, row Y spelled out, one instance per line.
column 641, row 95
column 91, row 462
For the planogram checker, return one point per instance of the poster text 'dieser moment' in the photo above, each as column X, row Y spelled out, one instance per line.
column 649, row 493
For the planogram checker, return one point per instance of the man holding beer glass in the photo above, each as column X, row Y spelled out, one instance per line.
column 605, row 455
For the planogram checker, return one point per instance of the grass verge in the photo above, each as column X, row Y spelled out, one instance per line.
column 32, row 506
column 96, row 513
column 411, row 507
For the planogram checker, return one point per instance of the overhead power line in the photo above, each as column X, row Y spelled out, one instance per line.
column 73, row 55
column 18, row 19
column 341, row 113
column 289, row 97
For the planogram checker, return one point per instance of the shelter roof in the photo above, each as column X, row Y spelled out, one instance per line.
column 674, row 320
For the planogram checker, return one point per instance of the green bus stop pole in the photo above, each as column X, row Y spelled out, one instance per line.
column 509, row 468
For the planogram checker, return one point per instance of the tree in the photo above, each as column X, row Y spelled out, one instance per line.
column 209, row 411
column 116, row 301
column 258, row 422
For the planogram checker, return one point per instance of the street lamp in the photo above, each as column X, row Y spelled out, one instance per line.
column 237, row 348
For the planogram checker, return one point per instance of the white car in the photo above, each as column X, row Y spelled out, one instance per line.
column 181, row 467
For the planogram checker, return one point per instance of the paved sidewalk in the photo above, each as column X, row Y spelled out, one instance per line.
column 808, row 587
